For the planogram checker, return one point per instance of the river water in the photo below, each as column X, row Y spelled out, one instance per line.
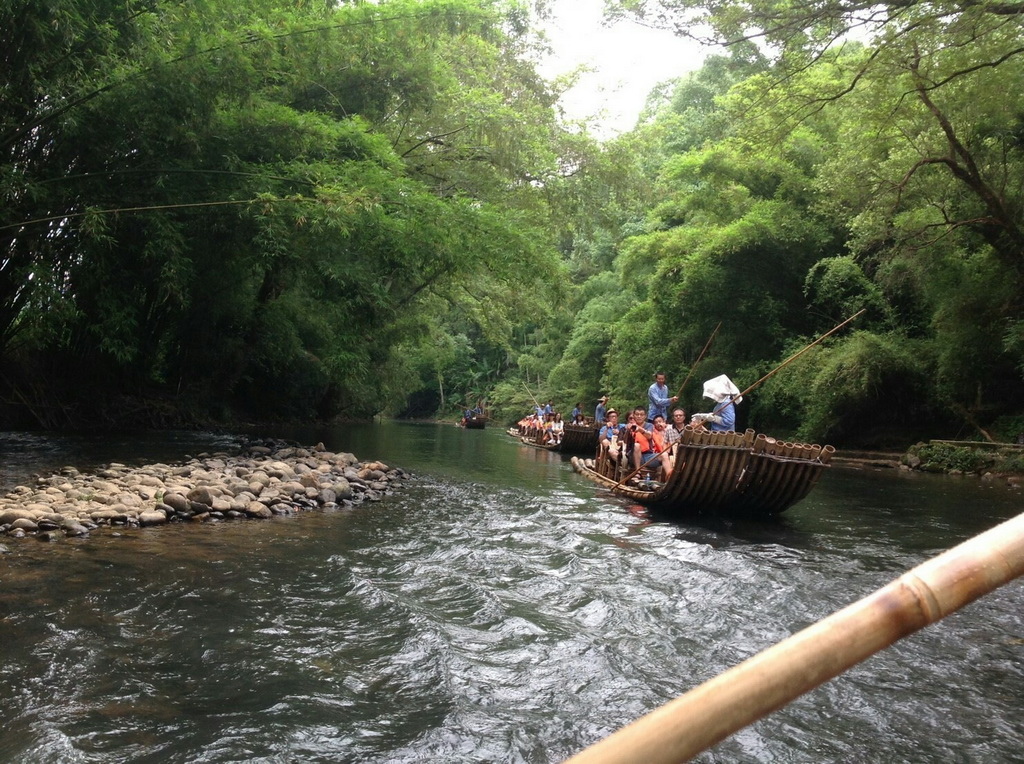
column 496, row 608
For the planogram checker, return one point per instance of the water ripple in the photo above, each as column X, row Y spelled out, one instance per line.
column 481, row 621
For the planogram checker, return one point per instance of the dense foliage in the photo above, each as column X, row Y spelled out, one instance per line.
column 250, row 207
column 242, row 208
column 793, row 190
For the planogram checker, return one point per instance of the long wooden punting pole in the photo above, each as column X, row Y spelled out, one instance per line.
column 789, row 360
column 535, row 401
column 701, row 356
column 706, row 715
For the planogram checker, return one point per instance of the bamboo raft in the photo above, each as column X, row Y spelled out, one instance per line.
column 722, row 472
column 576, row 439
column 579, row 439
column 537, row 442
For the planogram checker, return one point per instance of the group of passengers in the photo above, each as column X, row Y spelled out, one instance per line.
column 645, row 441
column 544, row 424
column 468, row 414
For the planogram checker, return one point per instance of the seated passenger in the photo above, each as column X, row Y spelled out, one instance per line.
column 557, row 429
column 639, row 438
column 662, row 447
column 611, row 436
column 674, row 431
column 546, row 427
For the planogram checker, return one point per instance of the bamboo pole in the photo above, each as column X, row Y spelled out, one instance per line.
column 786, row 363
column 694, row 365
column 535, row 401
column 766, row 682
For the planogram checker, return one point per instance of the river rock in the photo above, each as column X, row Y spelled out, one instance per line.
column 176, row 501
column 258, row 509
column 8, row 516
column 201, row 495
column 342, row 489
column 260, row 483
column 71, row 528
column 107, row 515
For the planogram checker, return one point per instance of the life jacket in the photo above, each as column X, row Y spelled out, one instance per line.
column 642, row 440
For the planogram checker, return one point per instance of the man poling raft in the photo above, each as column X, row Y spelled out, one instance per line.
column 723, row 392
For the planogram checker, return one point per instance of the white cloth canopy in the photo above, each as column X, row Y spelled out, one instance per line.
column 721, row 389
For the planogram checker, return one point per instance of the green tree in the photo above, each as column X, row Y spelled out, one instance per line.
column 258, row 206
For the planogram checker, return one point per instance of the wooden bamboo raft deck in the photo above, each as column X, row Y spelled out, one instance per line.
column 723, row 472
column 579, row 439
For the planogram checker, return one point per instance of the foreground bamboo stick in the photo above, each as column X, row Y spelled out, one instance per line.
column 766, row 682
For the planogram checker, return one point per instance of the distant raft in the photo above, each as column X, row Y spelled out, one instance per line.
column 576, row 439
column 746, row 474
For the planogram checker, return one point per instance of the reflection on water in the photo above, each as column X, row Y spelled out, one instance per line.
column 499, row 608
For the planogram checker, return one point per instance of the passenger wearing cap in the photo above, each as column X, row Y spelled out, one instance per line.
column 599, row 412
column 611, row 434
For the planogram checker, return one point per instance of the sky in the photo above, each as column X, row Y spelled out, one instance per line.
column 629, row 59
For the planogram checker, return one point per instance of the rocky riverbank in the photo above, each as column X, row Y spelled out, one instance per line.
column 264, row 480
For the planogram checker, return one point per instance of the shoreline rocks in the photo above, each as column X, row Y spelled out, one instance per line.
column 264, row 480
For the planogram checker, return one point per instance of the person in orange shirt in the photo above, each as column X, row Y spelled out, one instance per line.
column 640, row 438
column 661, row 446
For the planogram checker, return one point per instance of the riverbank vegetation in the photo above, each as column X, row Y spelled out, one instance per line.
column 245, row 210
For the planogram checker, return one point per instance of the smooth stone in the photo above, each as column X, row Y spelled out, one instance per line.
column 176, row 501
column 75, row 529
column 258, row 509
column 152, row 517
column 8, row 516
column 201, row 495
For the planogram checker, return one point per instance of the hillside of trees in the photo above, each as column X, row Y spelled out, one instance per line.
column 227, row 211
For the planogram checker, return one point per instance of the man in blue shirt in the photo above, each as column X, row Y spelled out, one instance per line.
column 576, row 413
column 659, row 399
column 599, row 411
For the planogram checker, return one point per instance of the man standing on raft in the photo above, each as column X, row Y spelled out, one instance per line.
column 659, row 399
